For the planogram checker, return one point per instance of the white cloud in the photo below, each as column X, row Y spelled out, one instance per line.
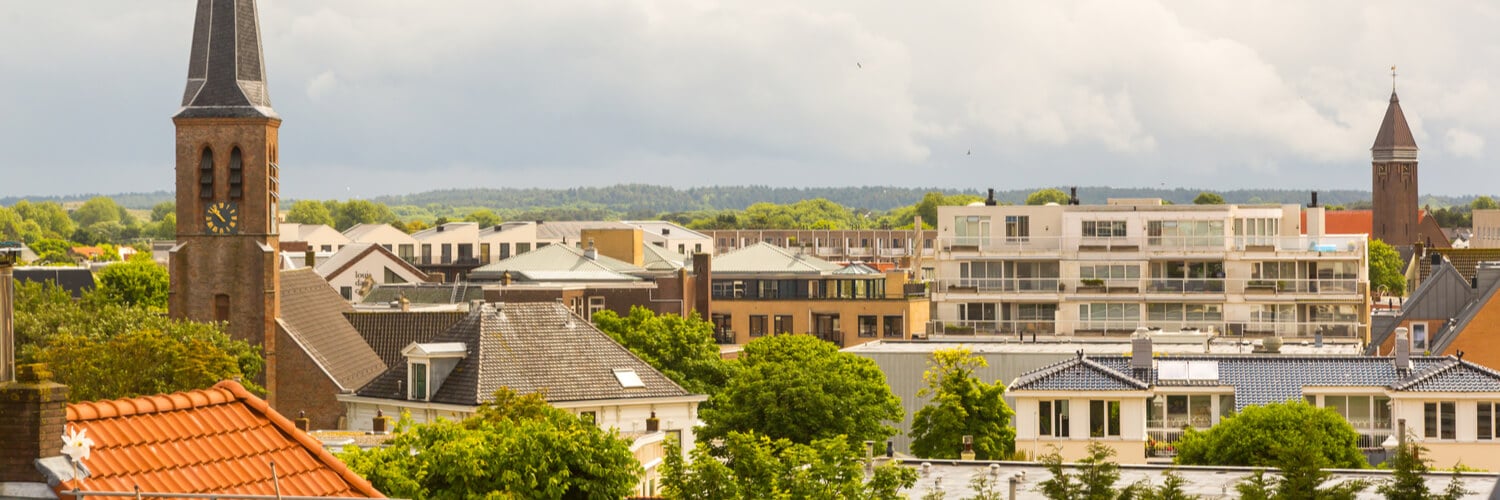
column 1463, row 143
column 321, row 85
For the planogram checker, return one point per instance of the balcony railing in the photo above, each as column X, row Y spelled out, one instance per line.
column 723, row 336
column 1336, row 244
column 1185, row 286
column 1223, row 327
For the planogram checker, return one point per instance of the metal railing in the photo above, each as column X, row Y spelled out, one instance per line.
column 1186, row 286
column 1335, row 244
column 1221, row 327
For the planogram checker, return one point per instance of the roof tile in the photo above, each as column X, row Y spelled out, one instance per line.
column 312, row 313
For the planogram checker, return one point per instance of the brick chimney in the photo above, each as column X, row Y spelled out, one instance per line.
column 310, row 258
column 33, row 410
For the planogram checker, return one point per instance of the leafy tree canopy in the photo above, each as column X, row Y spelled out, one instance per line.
column 1094, row 480
column 801, row 388
column 1386, row 269
column 1407, row 481
column 160, row 211
column 137, row 282
column 103, row 349
column 961, row 405
column 484, row 217
column 1207, row 198
column 1483, row 203
column 15, row 228
column 98, row 209
column 1302, row 476
column 1254, row 436
column 310, row 212
column 50, row 216
column 517, row 447
column 683, row 349
column 752, row 467
column 1048, row 195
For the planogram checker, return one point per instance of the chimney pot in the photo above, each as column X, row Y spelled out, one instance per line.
column 990, row 200
column 310, row 257
column 1437, row 259
column 1314, row 200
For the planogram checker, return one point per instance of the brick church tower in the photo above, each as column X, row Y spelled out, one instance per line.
column 225, row 266
column 1394, row 186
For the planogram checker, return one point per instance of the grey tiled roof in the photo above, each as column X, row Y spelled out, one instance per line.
column 532, row 347
column 312, row 313
column 390, row 332
column 1078, row 374
column 1260, row 379
column 226, row 77
column 1452, row 375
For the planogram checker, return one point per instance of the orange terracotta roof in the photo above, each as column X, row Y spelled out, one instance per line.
column 218, row 440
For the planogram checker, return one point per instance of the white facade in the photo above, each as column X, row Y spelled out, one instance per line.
column 1113, row 268
column 454, row 242
column 674, row 237
column 497, row 243
column 1486, row 229
column 386, row 236
column 319, row 237
column 356, row 269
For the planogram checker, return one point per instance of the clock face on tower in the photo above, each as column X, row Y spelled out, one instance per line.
column 222, row 218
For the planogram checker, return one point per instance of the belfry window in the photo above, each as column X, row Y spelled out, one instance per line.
column 236, row 175
column 206, row 174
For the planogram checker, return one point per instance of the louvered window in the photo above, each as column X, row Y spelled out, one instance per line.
column 206, row 174
column 236, row 175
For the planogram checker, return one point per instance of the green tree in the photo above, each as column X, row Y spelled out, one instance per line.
column 164, row 229
column 752, row 467
column 1171, row 489
column 517, row 447
column 1407, row 481
column 97, row 209
column 139, row 281
column 1207, row 198
column 15, row 228
column 1386, row 269
column 50, row 216
column 683, row 349
column 484, row 217
column 1302, row 477
column 1253, row 437
column 961, row 405
column 1045, row 196
column 801, row 388
column 160, row 211
column 310, row 212
column 928, row 207
column 1095, row 479
column 52, row 251
column 354, row 212
column 106, row 350
column 1483, row 203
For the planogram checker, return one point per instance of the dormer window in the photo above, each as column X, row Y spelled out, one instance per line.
column 629, row 379
column 428, row 365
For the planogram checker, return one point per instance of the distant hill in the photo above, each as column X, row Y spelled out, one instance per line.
column 643, row 200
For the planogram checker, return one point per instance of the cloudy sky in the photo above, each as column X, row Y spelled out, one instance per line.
column 394, row 96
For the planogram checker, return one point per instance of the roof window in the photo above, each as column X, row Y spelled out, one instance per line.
column 629, row 379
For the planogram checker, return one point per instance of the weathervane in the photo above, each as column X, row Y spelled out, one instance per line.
column 1393, row 79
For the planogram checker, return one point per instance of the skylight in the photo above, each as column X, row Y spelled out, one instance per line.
column 629, row 379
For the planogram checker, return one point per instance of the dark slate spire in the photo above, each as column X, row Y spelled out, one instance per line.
column 1394, row 141
column 226, row 77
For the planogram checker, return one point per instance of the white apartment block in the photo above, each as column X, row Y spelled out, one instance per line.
column 1109, row 269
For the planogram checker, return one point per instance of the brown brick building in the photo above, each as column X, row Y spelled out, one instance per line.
column 1394, row 180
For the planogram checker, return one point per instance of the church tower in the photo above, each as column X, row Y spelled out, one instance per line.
column 1395, row 179
column 225, row 266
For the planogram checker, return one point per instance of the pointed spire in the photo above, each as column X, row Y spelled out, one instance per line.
column 1394, row 141
column 226, row 75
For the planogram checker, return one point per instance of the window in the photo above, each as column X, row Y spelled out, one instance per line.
column 1419, row 336
column 447, row 253
column 894, row 327
column 970, row 230
column 757, row 325
column 347, row 292
column 629, row 379
column 1103, row 229
column 1362, row 412
column 221, row 307
column 1104, row 418
column 392, row 277
column 984, row 275
column 596, row 304
column 869, row 326
column 1486, row 421
column 522, row 248
column 1226, row 405
column 1185, row 312
column 1185, row 233
column 1017, row 228
column 404, row 251
column 1110, row 272
column 236, row 175
column 976, row 311
column 697, row 248
column 484, row 253
column 504, row 251
column 1188, row 410
column 1052, row 417
column 1110, row 316
column 783, row 324
column 1438, row 420
column 426, row 253
column 418, row 381
column 206, row 174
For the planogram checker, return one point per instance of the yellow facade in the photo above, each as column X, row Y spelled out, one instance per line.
column 620, row 244
column 912, row 314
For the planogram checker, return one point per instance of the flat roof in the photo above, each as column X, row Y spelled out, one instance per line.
column 1093, row 346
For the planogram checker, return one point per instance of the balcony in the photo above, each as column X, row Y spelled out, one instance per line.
column 997, row 285
column 1307, row 330
column 1334, row 245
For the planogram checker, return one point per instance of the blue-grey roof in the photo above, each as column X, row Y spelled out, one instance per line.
column 1078, row 374
column 1454, row 375
column 1260, row 379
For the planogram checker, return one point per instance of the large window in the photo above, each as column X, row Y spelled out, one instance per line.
column 1486, row 423
column 1185, row 313
column 970, row 230
column 976, row 311
column 1187, row 276
column 895, row 326
column 869, row 326
column 1185, row 233
column 1362, row 412
column 1110, row 272
column 1438, row 419
column 1017, row 228
column 783, row 324
column 984, row 275
column 1182, row 410
column 1052, row 417
column 419, row 381
column 1109, row 316
column 757, row 325
column 1103, row 229
column 1104, row 418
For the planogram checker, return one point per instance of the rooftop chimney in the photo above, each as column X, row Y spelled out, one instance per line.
column 309, row 258
column 1403, row 350
column 591, row 253
column 33, row 411
column 1314, row 202
column 990, row 201
column 505, row 278
column 1073, row 195
column 1437, row 259
column 440, row 227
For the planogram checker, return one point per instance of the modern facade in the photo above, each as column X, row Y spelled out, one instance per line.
column 898, row 247
column 1110, row 269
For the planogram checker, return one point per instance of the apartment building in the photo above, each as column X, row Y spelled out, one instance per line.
column 894, row 246
column 1109, row 269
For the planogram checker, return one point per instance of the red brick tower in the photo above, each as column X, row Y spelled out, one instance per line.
column 1394, row 186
